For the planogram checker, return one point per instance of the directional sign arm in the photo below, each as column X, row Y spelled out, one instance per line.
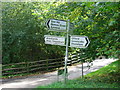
column 79, row 41
column 56, row 25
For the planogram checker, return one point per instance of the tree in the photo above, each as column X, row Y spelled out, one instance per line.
column 24, row 29
column 98, row 21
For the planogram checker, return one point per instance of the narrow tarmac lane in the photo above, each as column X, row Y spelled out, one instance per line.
column 48, row 78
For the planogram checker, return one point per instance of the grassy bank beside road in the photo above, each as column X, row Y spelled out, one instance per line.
column 106, row 77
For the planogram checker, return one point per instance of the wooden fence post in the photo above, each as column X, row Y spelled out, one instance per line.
column 47, row 65
column 28, row 67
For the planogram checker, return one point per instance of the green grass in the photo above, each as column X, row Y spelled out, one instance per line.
column 112, row 68
column 106, row 77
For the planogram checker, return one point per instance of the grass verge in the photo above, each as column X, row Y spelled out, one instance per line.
column 106, row 77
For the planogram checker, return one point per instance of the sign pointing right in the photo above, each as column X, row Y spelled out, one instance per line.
column 79, row 41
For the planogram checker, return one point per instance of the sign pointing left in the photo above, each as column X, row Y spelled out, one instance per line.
column 54, row 40
column 55, row 25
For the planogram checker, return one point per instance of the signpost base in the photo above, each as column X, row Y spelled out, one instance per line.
column 82, row 69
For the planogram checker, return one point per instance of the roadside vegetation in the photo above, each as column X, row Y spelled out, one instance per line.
column 23, row 30
column 106, row 77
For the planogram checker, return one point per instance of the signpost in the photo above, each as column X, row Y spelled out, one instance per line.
column 56, row 25
column 54, row 40
column 66, row 53
column 79, row 41
column 75, row 41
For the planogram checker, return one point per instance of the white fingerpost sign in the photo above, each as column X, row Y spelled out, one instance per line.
column 56, row 25
column 79, row 41
column 54, row 40
column 75, row 41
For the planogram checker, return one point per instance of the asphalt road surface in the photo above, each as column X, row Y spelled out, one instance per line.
column 48, row 78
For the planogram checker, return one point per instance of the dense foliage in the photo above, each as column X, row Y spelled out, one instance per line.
column 23, row 26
